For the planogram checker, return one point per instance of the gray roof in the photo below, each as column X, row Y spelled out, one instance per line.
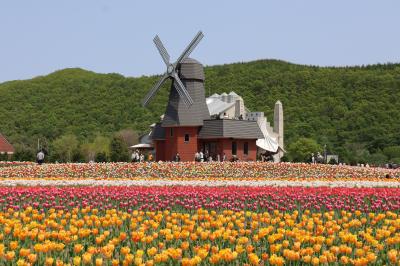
column 158, row 132
column 216, row 106
column 145, row 138
column 230, row 128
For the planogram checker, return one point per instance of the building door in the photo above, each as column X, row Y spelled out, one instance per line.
column 210, row 148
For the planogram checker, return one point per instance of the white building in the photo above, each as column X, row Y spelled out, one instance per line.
column 231, row 106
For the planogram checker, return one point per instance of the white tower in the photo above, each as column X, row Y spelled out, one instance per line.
column 278, row 128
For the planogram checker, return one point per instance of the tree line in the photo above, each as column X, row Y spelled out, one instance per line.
column 351, row 110
column 68, row 148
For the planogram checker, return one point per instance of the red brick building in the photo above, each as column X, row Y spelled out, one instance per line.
column 234, row 138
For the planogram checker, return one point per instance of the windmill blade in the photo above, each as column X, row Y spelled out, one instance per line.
column 161, row 49
column 189, row 49
column 183, row 93
column 153, row 90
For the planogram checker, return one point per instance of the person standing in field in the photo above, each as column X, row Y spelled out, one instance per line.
column 177, row 158
column 40, row 157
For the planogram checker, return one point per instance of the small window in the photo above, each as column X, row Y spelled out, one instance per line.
column 234, row 148
column 171, row 132
column 246, row 148
column 186, row 137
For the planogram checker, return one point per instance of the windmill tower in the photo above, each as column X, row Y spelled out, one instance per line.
column 187, row 108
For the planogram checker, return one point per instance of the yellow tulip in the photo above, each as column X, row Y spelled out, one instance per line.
column 49, row 261
column 99, row 261
column 77, row 261
column 125, row 250
column 253, row 258
column 152, row 251
column 87, row 258
column 13, row 245
column 392, row 255
column 78, row 248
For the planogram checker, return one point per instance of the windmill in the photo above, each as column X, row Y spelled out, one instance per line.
column 187, row 104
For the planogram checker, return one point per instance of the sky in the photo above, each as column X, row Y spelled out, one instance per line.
column 42, row 36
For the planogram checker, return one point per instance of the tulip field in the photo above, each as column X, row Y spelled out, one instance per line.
column 199, row 214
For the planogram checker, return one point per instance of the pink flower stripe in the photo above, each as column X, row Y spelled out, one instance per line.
column 192, row 198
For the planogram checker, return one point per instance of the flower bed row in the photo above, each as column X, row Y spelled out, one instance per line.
column 114, row 226
column 12, row 163
column 197, row 170
column 204, row 182
column 180, row 198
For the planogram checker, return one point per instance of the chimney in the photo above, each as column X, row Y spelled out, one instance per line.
column 278, row 122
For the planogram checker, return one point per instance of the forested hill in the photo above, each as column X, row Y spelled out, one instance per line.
column 351, row 109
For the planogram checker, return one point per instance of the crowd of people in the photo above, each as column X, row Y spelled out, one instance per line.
column 139, row 157
column 207, row 157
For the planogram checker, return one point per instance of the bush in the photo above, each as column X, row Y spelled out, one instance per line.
column 332, row 161
column 118, row 150
column 300, row 150
column 392, row 152
column 101, row 157
column 377, row 159
column 395, row 160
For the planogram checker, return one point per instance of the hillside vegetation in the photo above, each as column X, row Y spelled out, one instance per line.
column 353, row 110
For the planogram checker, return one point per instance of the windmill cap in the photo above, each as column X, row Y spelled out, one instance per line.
column 190, row 61
column 191, row 69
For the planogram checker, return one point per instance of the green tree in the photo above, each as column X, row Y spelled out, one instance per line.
column 24, row 154
column 377, row 159
column 392, row 152
column 65, row 147
column 101, row 157
column 100, row 145
column 300, row 150
column 118, row 150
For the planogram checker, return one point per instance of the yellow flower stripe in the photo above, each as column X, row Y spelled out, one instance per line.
column 92, row 237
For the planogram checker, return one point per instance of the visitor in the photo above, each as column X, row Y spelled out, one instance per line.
column 201, row 156
column 210, row 158
column 218, row 158
column 312, row 158
column 150, row 158
column 205, row 155
column 197, row 157
column 234, row 158
column 224, row 157
column 225, row 116
column 134, row 157
column 177, row 158
column 40, row 157
column 141, row 158
column 320, row 158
